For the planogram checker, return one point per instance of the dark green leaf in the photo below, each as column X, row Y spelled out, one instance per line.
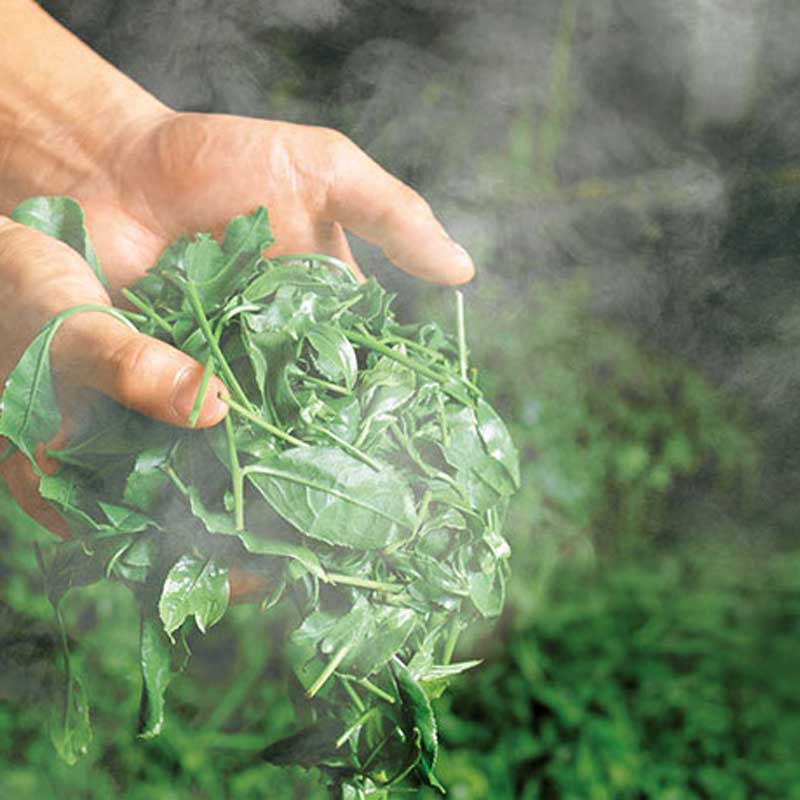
column 418, row 719
column 310, row 747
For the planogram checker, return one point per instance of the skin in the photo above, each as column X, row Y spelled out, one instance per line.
column 70, row 123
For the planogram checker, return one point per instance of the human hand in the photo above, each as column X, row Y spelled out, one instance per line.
column 172, row 174
column 146, row 175
column 39, row 277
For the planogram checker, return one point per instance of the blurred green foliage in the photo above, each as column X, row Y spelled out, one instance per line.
column 671, row 677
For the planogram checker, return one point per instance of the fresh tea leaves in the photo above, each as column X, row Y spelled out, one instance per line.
column 359, row 477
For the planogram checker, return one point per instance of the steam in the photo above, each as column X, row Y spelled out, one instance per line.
column 615, row 136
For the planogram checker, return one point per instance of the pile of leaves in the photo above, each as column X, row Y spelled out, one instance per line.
column 359, row 475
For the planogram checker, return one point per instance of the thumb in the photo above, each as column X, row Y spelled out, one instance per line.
column 97, row 351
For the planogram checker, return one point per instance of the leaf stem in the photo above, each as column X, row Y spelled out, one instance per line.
column 347, row 447
column 355, row 726
column 211, row 340
column 363, row 583
column 237, row 478
column 331, row 387
column 452, row 640
column 353, row 694
column 375, row 344
column 376, row 690
column 330, row 668
column 374, row 754
column 262, row 423
column 173, row 476
column 208, row 371
column 462, row 335
column 147, row 310
column 433, row 354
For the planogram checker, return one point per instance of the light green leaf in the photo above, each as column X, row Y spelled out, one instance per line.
column 335, row 357
column 219, row 271
column 29, row 413
column 332, row 496
column 497, row 440
column 269, row 546
column 61, row 218
column 195, row 585
column 70, row 728
column 156, row 658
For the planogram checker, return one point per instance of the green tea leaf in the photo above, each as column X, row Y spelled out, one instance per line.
column 335, row 357
column 332, row 496
column 219, row 271
column 61, row 218
column 194, row 586
column 268, row 546
column 486, row 478
column 497, row 440
column 419, row 721
column 125, row 520
column 308, row 748
column 156, row 658
column 70, row 728
column 389, row 629
column 29, row 414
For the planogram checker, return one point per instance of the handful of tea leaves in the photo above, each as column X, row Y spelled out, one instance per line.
column 359, row 473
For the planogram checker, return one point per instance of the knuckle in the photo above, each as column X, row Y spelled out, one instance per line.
column 416, row 205
column 336, row 154
column 336, row 142
column 70, row 288
column 128, row 365
column 13, row 238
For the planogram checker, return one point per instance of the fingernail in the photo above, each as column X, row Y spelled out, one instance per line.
column 184, row 395
column 462, row 251
column 464, row 257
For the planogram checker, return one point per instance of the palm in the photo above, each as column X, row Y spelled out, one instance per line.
column 194, row 172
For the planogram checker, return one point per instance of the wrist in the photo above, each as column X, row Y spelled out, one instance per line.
column 63, row 109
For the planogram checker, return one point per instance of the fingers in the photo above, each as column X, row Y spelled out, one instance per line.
column 378, row 207
column 334, row 242
column 245, row 586
column 138, row 371
column 23, row 483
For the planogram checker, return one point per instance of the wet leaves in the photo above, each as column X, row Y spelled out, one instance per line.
column 358, row 473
